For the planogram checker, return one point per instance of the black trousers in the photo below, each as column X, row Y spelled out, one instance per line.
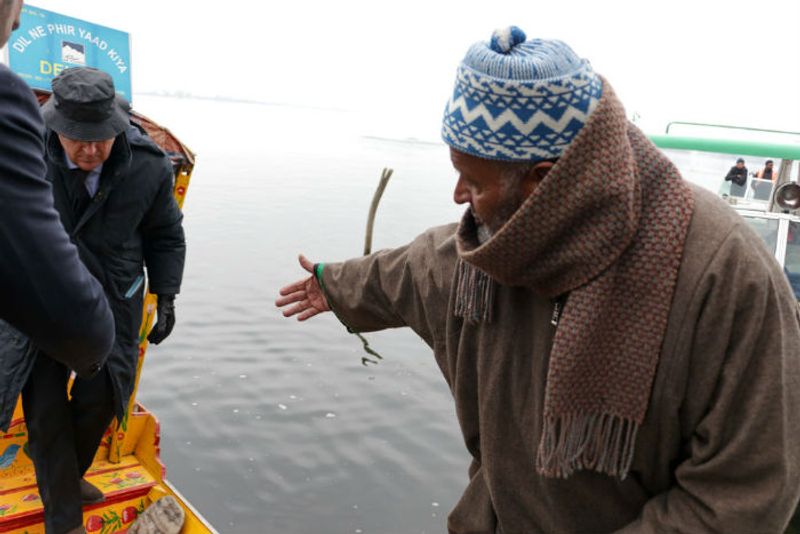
column 63, row 435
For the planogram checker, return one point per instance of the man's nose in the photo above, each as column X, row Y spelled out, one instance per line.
column 461, row 193
column 90, row 149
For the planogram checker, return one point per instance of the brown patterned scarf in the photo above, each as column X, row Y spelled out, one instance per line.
column 606, row 227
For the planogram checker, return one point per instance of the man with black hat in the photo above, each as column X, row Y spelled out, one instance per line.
column 45, row 291
column 114, row 194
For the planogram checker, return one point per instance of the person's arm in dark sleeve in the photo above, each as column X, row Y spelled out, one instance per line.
column 45, row 290
column 731, row 173
column 163, row 237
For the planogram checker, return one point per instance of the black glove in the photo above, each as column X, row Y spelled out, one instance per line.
column 165, row 320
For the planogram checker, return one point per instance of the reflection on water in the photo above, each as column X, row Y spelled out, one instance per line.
column 273, row 426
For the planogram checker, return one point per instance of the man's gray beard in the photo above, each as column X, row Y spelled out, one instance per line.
column 484, row 233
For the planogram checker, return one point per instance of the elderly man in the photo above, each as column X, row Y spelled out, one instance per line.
column 622, row 350
column 45, row 291
column 114, row 194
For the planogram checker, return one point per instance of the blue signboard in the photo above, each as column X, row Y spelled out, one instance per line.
column 47, row 43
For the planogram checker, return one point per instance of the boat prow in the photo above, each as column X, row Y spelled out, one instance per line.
column 130, row 485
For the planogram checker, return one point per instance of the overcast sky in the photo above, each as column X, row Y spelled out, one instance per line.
column 733, row 62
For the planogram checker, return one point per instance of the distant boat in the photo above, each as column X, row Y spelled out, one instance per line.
column 770, row 207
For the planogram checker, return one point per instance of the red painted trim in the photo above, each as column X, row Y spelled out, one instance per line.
column 16, row 422
column 122, row 495
column 14, row 490
column 22, row 520
column 37, row 516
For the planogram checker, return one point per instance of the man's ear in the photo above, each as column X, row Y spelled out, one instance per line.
column 534, row 176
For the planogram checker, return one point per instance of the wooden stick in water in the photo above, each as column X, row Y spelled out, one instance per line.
column 376, row 198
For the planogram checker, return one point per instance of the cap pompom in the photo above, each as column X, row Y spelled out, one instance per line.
column 504, row 39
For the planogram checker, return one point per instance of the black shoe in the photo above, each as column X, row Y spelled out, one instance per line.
column 90, row 494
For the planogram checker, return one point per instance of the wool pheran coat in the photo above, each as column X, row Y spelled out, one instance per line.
column 718, row 450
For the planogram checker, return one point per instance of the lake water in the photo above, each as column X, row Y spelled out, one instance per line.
column 269, row 425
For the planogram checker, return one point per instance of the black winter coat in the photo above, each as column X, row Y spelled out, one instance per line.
column 133, row 221
column 45, row 291
column 737, row 175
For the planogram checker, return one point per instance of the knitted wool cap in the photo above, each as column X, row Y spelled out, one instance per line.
column 519, row 100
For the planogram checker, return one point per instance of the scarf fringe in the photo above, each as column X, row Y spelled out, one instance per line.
column 599, row 442
column 474, row 294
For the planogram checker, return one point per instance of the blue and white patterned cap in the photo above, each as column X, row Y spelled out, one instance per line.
column 519, row 100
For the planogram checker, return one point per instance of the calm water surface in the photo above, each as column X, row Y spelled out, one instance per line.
column 273, row 426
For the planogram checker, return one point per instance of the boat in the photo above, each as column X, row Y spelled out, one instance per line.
column 127, row 467
column 770, row 207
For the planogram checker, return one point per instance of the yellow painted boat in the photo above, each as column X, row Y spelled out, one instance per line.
column 127, row 467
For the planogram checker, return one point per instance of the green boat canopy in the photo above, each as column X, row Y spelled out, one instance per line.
column 726, row 146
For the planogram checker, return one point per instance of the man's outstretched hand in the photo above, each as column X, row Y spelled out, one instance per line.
column 306, row 293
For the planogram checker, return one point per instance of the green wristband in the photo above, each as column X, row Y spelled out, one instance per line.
column 318, row 268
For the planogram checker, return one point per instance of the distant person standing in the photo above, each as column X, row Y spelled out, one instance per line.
column 767, row 172
column 45, row 291
column 113, row 191
column 737, row 176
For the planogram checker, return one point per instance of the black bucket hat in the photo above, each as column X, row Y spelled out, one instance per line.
column 84, row 106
